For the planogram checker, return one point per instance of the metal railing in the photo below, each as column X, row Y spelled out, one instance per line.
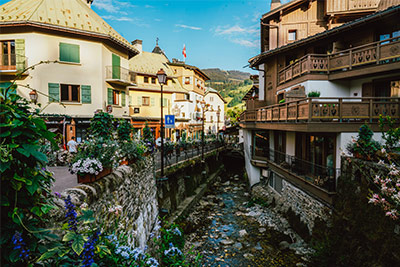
column 121, row 74
column 326, row 109
column 321, row 176
column 12, row 62
column 181, row 154
column 381, row 52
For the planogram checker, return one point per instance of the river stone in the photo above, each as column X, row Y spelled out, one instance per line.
column 284, row 245
column 227, row 242
column 248, row 255
column 238, row 245
column 242, row 233
column 258, row 246
column 262, row 230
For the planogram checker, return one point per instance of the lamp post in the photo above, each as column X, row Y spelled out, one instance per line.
column 162, row 77
column 203, row 106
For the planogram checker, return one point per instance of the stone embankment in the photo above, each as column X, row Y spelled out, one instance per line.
column 131, row 187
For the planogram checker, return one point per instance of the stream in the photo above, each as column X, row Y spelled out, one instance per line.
column 227, row 229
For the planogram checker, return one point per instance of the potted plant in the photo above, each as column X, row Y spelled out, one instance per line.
column 314, row 94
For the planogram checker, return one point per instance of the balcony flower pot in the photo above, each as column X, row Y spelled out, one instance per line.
column 90, row 178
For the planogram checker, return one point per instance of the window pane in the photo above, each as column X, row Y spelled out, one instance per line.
column 75, row 93
column 64, row 92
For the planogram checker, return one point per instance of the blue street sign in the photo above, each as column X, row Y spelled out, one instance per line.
column 169, row 121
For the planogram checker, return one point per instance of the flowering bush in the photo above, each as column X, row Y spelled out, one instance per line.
column 84, row 166
column 387, row 191
column 131, row 150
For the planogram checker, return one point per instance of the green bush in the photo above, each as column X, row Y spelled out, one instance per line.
column 101, row 125
column 124, row 130
column 25, row 183
column 314, row 94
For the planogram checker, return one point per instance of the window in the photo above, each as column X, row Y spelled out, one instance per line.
column 153, row 80
column 261, row 144
column 145, row 101
column 292, row 35
column 211, row 118
column 183, row 114
column 146, row 79
column 116, row 97
column 8, row 60
column 69, row 53
column 211, row 98
column 275, row 181
column 69, row 92
column 187, row 80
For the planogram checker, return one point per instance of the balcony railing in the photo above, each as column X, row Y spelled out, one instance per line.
column 12, row 62
column 321, row 176
column 381, row 52
column 326, row 109
column 120, row 75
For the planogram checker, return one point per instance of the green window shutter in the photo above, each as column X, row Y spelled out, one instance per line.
column 20, row 54
column 130, row 101
column 153, row 102
column 86, row 95
column 139, row 100
column 110, row 98
column 123, row 98
column 164, row 102
column 116, row 63
column 54, row 92
column 69, row 53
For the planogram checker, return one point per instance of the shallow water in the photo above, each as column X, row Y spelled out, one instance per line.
column 220, row 229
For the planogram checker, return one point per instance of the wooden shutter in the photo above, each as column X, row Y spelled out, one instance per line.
column 86, row 94
column 69, row 53
column 110, row 98
column 116, row 71
column 20, row 54
column 153, row 102
column 54, row 92
column 123, row 98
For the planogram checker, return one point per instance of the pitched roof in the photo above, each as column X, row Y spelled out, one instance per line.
column 194, row 68
column 60, row 14
column 149, row 63
column 212, row 90
column 350, row 25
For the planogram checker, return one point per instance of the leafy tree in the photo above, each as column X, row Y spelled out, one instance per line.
column 101, row 125
column 124, row 130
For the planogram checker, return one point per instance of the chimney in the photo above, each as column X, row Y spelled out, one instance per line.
column 275, row 4
column 138, row 45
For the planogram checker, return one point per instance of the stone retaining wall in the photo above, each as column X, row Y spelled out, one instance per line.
column 132, row 187
column 301, row 209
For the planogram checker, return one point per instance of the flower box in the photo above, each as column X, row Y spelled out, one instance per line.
column 90, row 178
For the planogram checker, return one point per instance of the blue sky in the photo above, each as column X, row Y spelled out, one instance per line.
column 217, row 33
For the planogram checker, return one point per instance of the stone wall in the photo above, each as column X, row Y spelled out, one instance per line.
column 132, row 187
column 301, row 209
column 184, row 179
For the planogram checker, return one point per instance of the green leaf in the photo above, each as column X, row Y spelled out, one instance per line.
column 4, row 166
column 78, row 244
column 5, row 134
column 48, row 254
column 69, row 236
column 24, row 152
column 87, row 216
column 36, row 210
column 39, row 156
column 46, row 208
column 32, row 187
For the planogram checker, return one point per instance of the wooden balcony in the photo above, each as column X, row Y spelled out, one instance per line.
column 373, row 54
column 119, row 75
column 326, row 110
column 12, row 64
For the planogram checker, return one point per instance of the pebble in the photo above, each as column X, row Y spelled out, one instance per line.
column 242, row 233
column 227, row 242
column 238, row 245
column 248, row 255
column 262, row 230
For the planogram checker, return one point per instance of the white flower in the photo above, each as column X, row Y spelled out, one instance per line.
column 383, row 150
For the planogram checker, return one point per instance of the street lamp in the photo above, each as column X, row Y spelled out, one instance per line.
column 33, row 95
column 162, row 77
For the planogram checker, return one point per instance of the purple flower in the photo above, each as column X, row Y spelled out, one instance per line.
column 57, row 194
column 71, row 214
column 88, row 250
column 20, row 245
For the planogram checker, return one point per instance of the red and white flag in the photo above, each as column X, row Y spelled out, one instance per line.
column 184, row 51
